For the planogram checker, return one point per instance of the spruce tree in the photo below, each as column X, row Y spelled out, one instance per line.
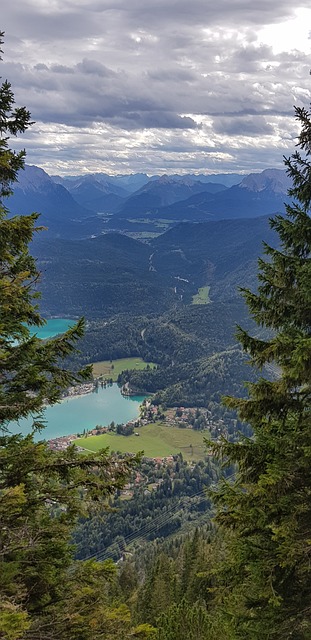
column 183, row 621
column 265, row 583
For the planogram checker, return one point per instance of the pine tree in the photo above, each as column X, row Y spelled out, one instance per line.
column 42, row 493
column 265, row 583
column 183, row 621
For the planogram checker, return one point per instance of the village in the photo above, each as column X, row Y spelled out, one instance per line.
column 197, row 418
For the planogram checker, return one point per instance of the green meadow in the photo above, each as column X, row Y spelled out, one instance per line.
column 155, row 440
column 202, row 296
column 112, row 368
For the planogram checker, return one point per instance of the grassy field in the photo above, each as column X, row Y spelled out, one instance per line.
column 143, row 235
column 202, row 296
column 111, row 369
column 156, row 440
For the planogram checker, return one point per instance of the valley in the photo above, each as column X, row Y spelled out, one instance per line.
column 154, row 326
column 155, row 267
column 148, row 301
column 160, row 292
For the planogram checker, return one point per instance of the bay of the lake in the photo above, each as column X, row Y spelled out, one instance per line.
column 73, row 415
column 53, row 327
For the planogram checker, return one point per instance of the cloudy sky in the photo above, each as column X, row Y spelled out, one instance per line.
column 159, row 86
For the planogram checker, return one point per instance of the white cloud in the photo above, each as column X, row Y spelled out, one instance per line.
column 289, row 35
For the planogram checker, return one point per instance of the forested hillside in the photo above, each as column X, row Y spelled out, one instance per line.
column 100, row 276
column 166, row 500
column 194, row 346
column 112, row 273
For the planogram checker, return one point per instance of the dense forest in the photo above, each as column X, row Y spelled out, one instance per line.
column 193, row 551
column 166, row 499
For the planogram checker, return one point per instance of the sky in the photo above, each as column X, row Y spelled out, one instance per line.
column 158, row 86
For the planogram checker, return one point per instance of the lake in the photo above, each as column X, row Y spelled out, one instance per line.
column 73, row 415
column 52, row 328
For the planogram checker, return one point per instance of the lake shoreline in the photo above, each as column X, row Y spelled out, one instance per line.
column 78, row 413
column 95, row 403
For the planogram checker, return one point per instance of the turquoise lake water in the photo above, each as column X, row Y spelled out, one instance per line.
column 73, row 415
column 52, row 328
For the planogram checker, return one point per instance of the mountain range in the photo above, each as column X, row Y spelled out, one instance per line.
column 78, row 207
column 157, row 247
column 256, row 195
column 162, row 192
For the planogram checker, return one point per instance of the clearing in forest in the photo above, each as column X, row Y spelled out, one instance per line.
column 202, row 296
column 112, row 368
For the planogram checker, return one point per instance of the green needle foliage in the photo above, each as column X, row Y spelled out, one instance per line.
column 265, row 583
column 184, row 621
column 43, row 592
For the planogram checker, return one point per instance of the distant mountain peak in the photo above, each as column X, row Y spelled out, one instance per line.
column 165, row 179
column 275, row 180
column 32, row 178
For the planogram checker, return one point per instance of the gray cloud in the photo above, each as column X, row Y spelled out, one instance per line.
column 156, row 120
column 117, row 83
column 58, row 68
column 244, row 126
column 92, row 67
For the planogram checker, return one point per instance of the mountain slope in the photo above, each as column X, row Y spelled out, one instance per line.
column 113, row 273
column 163, row 192
column 97, row 192
column 220, row 254
column 256, row 195
column 36, row 191
column 99, row 277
